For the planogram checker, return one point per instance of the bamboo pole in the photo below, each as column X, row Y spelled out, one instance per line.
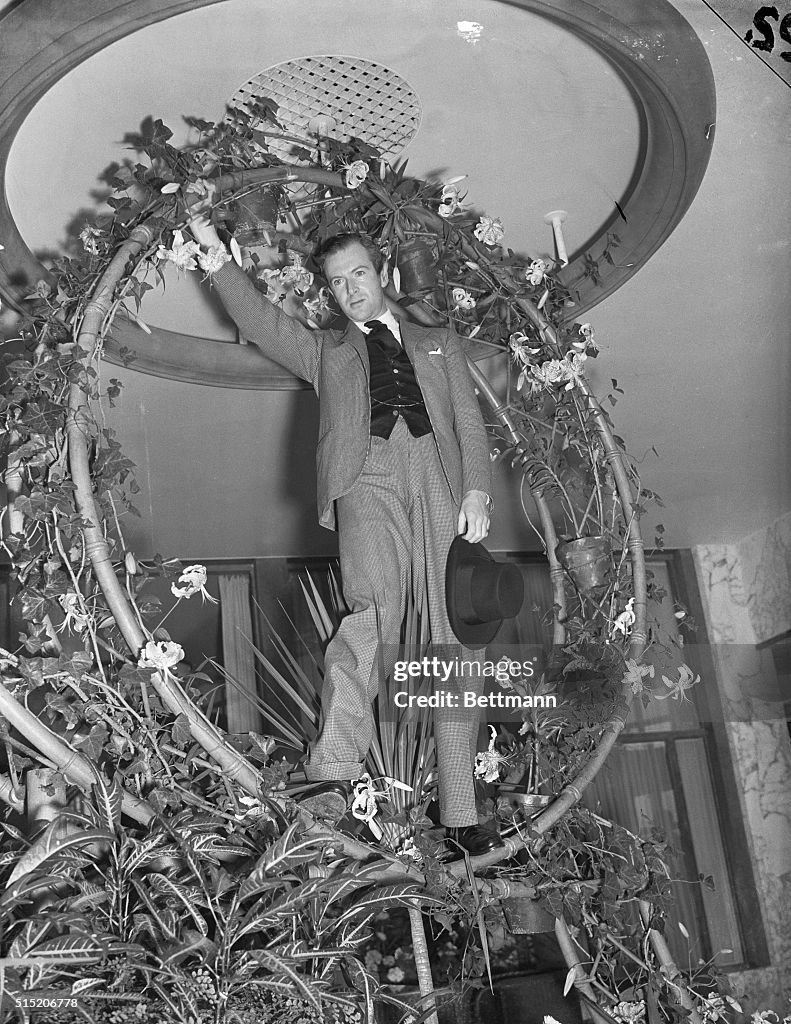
column 668, row 967
column 422, row 964
column 79, row 429
column 72, row 764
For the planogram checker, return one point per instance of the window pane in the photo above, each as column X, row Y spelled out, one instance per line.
column 635, row 789
column 709, row 853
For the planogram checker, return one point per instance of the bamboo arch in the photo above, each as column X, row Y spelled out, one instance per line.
column 95, row 319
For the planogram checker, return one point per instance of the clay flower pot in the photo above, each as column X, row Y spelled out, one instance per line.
column 586, row 560
column 416, row 265
column 525, row 916
column 254, row 214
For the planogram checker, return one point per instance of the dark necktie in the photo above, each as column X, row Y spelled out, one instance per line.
column 383, row 336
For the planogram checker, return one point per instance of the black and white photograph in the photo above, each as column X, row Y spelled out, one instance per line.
column 395, row 512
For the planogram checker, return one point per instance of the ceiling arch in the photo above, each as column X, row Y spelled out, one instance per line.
column 651, row 48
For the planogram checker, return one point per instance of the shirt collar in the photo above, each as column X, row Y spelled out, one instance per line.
column 389, row 319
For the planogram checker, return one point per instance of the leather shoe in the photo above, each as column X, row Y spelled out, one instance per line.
column 474, row 839
column 328, row 800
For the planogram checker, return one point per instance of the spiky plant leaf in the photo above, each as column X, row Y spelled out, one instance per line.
column 50, row 843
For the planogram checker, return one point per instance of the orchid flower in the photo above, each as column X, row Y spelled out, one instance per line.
column 160, row 655
column 633, row 676
column 489, row 230
column 462, row 299
column 489, row 762
column 678, row 687
column 536, row 272
column 192, row 581
column 181, row 253
column 356, row 173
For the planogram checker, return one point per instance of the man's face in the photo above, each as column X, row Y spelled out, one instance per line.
column 355, row 283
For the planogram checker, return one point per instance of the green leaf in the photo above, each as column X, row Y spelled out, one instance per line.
column 51, row 843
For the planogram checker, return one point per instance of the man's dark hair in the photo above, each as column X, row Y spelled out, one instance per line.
column 341, row 242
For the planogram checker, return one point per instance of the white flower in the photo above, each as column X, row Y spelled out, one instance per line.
column 519, row 344
column 396, row 975
column 192, row 581
column 585, row 342
column 356, row 173
column 76, row 620
column 489, row 762
column 550, row 373
column 629, row 1013
column 160, row 655
column 462, row 299
column 296, row 275
column 624, row 622
column 88, row 237
column 713, row 1007
column 372, row 959
column 181, row 253
column 211, row 261
column 315, row 307
column 489, row 231
column 536, row 272
column 633, row 676
column 764, row 1017
column 678, row 687
column 450, row 201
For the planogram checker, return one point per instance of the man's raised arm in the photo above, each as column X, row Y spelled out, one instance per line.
column 280, row 337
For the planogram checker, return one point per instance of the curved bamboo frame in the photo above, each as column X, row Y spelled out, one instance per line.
column 80, row 425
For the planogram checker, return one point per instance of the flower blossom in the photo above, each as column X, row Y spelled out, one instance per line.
column 365, row 795
column 462, row 299
column 182, row 253
column 161, row 655
column 535, row 273
column 296, row 275
column 678, row 687
column 356, row 173
column 192, row 581
column 629, row 1013
column 395, row 975
column 764, row 1017
column 449, row 201
column 88, row 237
column 76, row 620
column 211, row 261
column 489, row 762
column 489, row 230
column 585, row 342
column 315, row 307
column 713, row 1007
column 633, row 676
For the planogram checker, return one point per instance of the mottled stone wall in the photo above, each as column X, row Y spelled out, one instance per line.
column 746, row 593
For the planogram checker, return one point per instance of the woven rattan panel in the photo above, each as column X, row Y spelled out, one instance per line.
column 363, row 99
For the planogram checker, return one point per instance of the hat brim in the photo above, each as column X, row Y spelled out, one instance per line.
column 472, row 635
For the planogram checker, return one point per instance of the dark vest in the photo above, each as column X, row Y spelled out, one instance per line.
column 394, row 390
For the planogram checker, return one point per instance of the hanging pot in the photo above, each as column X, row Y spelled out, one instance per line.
column 587, row 561
column 255, row 215
column 417, row 266
column 525, row 916
column 519, row 801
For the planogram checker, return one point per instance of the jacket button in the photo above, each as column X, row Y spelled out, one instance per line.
column 395, row 371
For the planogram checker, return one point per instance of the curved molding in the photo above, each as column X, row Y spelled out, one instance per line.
column 651, row 46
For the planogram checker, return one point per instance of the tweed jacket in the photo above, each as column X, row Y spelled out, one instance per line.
column 336, row 364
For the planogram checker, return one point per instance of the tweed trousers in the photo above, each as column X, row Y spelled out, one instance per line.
column 395, row 528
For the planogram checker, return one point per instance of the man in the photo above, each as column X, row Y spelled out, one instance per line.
column 403, row 466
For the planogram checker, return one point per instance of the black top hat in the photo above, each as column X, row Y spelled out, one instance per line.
column 480, row 593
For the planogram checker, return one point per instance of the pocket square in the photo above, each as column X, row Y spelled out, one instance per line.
column 436, row 352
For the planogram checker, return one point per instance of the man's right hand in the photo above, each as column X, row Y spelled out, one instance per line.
column 203, row 231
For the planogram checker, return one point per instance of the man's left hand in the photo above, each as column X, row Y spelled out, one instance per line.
column 473, row 517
